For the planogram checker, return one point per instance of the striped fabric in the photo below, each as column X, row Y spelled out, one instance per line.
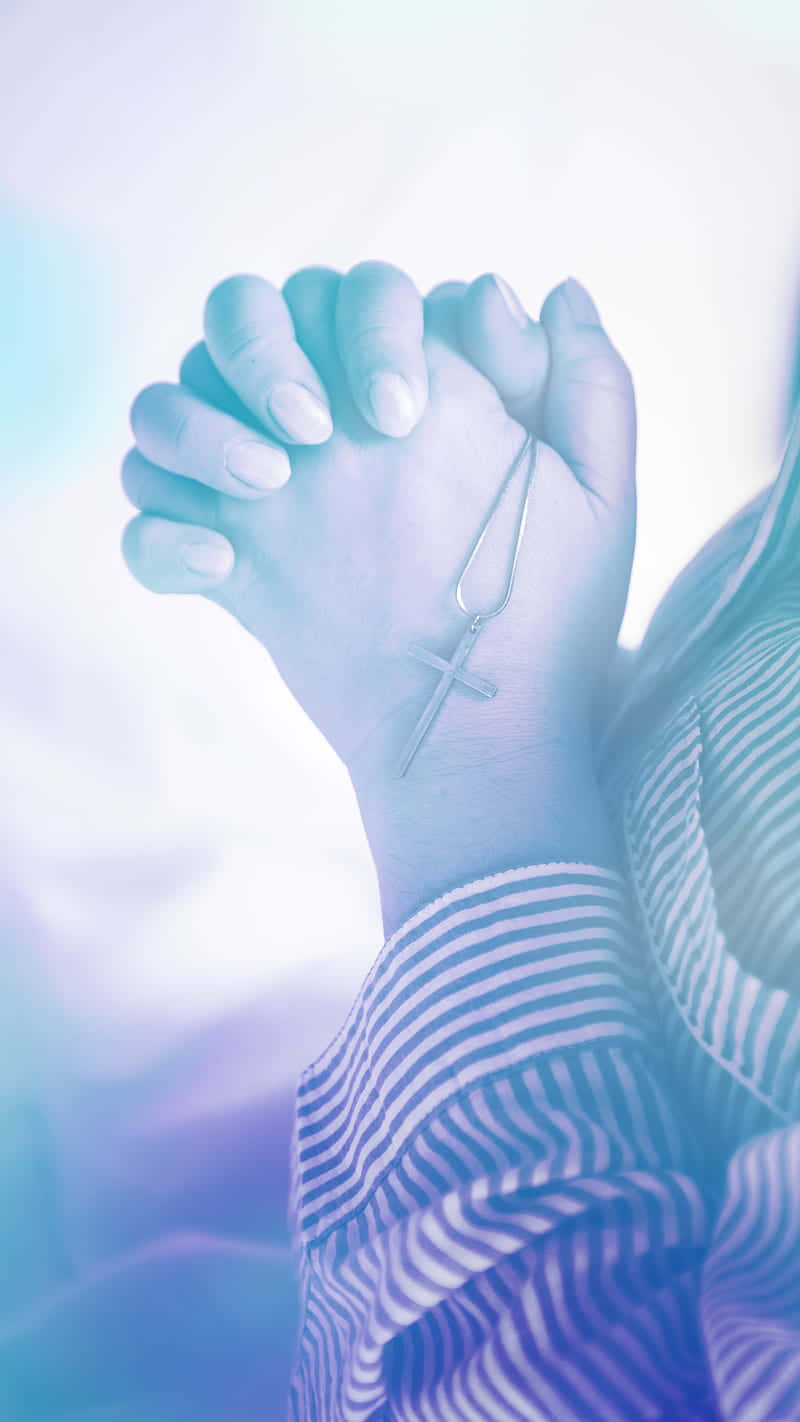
column 549, row 1169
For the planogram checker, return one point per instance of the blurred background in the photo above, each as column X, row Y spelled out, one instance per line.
column 186, row 897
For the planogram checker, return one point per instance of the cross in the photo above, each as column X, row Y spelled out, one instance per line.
column 451, row 671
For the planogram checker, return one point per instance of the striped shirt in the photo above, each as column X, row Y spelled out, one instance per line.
column 549, row 1169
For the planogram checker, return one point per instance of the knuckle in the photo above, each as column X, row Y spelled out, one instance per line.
column 371, row 277
column 133, row 542
column 227, row 294
column 619, row 376
column 450, row 290
column 624, row 370
column 376, row 297
column 131, row 475
column 252, row 344
column 194, row 363
column 311, row 296
column 163, row 420
column 241, row 309
column 182, row 428
column 374, row 338
column 309, row 280
column 149, row 555
column 147, row 406
column 603, row 368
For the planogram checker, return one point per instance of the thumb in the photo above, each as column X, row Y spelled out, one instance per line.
column 506, row 346
column 560, row 377
column 589, row 410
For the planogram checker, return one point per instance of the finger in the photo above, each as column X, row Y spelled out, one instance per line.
column 379, row 328
column 589, row 412
column 156, row 491
column 442, row 312
column 200, row 375
column 445, row 291
column 182, row 433
column 311, row 295
column 251, row 340
column 170, row 557
column 505, row 345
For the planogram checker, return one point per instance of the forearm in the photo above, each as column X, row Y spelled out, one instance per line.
column 430, row 835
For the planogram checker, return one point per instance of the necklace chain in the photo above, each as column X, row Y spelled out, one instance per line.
column 485, row 614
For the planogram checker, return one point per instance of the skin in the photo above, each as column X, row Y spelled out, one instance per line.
column 356, row 553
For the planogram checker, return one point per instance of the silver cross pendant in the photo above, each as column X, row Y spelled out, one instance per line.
column 451, row 671
column 454, row 669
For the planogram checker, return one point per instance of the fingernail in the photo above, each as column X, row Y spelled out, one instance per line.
column 209, row 560
column 580, row 303
column 259, row 466
column 392, row 403
column 299, row 413
column 513, row 304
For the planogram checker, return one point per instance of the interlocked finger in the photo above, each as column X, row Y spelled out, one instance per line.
column 379, row 328
column 251, row 340
column 178, row 431
column 508, row 347
column 171, row 557
column 156, row 491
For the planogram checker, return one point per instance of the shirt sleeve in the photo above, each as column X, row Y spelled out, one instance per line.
column 497, row 1214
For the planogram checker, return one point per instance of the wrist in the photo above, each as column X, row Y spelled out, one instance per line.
column 436, row 831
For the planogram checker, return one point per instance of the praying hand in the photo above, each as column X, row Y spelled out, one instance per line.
column 354, row 558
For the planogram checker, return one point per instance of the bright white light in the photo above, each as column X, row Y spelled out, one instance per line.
column 647, row 148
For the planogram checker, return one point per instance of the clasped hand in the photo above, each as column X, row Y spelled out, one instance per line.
column 322, row 469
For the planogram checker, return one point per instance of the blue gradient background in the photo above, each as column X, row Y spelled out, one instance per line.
column 186, row 897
